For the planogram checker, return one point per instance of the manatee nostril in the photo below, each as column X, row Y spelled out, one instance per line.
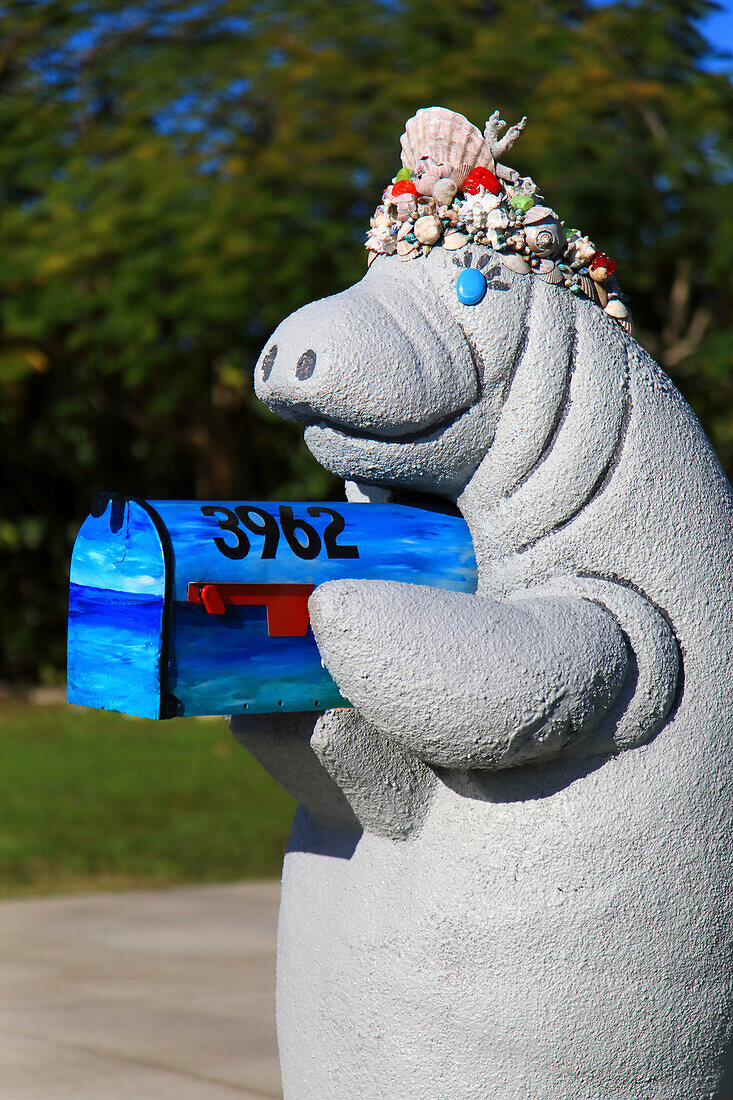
column 306, row 365
column 268, row 362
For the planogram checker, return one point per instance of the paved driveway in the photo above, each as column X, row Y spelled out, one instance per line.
column 146, row 994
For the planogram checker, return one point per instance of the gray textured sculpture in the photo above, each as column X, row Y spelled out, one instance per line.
column 510, row 872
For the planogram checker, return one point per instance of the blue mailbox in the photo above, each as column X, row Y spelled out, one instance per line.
column 200, row 607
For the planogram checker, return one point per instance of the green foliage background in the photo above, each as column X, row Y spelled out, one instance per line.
column 177, row 177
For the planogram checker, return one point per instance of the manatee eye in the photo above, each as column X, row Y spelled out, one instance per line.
column 471, row 286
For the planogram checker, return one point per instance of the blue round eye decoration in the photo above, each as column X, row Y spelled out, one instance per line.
column 471, row 286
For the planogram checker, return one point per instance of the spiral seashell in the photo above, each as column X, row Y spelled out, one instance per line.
column 426, row 205
column 543, row 232
column 447, row 137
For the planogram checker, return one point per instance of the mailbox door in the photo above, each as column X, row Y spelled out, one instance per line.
column 117, row 611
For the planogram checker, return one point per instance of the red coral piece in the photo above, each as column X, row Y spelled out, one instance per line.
column 600, row 259
column 403, row 187
column 481, row 177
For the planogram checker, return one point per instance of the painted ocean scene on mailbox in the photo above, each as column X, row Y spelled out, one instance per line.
column 200, row 607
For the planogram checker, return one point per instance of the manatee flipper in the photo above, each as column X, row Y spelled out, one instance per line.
column 281, row 743
column 388, row 788
column 466, row 681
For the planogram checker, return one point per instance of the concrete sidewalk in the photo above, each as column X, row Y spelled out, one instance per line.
column 148, row 995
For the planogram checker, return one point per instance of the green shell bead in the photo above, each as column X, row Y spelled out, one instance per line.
column 521, row 202
column 411, row 238
column 403, row 174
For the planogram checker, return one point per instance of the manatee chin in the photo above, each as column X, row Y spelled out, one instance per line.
column 441, row 459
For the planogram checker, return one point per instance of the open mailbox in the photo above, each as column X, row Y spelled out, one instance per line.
column 201, row 607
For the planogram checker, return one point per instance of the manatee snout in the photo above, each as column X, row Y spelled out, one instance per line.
column 372, row 360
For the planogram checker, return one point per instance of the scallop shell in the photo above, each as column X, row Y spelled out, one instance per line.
column 549, row 272
column 626, row 323
column 588, row 287
column 601, row 293
column 459, row 174
column 447, row 137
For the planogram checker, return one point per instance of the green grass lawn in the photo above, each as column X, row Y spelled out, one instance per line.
column 92, row 801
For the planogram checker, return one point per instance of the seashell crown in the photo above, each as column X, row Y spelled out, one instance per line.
column 452, row 190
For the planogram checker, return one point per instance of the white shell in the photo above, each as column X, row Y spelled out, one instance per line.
column 580, row 249
column 444, row 192
column 454, row 239
column 428, row 229
column 447, row 137
column 616, row 309
column 513, row 262
column 498, row 218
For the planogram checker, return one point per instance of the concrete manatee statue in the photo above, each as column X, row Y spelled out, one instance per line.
column 510, row 872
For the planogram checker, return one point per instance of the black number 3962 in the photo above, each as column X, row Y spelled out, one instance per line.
column 300, row 535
